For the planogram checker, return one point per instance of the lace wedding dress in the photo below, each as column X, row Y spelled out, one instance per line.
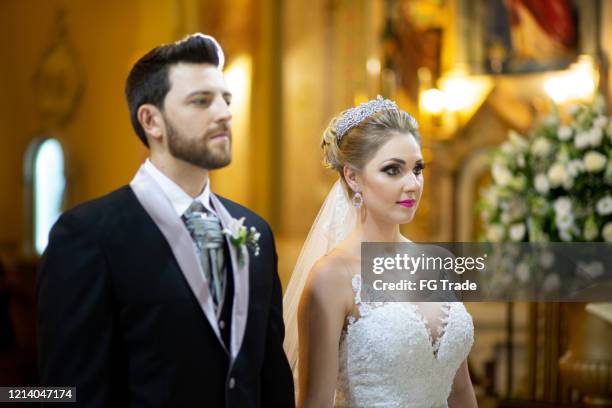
column 388, row 359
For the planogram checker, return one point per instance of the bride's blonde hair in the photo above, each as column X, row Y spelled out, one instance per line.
column 359, row 144
column 355, row 146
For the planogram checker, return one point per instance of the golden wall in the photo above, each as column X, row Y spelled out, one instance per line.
column 98, row 42
column 101, row 149
column 296, row 64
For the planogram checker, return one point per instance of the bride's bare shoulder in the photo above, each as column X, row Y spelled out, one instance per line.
column 331, row 275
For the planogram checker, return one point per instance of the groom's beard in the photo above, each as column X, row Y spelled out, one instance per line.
column 197, row 151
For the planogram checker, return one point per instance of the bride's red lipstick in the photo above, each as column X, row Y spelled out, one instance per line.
column 407, row 203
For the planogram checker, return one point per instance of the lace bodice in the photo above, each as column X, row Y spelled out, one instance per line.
column 388, row 358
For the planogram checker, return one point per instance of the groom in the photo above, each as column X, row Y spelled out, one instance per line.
column 145, row 296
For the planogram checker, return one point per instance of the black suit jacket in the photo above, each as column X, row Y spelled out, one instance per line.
column 118, row 320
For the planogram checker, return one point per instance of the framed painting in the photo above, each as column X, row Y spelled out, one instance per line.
column 522, row 36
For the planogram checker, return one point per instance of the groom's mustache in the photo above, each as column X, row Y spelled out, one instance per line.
column 224, row 129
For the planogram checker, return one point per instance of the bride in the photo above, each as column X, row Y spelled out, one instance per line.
column 348, row 353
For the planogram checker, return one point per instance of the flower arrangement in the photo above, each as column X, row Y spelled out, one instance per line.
column 242, row 238
column 554, row 185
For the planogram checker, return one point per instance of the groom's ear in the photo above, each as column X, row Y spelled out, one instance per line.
column 151, row 120
column 351, row 178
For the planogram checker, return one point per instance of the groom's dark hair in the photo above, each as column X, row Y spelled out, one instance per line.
column 148, row 80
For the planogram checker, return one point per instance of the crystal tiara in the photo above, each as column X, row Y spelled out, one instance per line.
column 354, row 116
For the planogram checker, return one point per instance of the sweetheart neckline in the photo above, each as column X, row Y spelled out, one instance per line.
column 434, row 346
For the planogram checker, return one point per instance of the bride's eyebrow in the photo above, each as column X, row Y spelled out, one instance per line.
column 417, row 162
column 394, row 159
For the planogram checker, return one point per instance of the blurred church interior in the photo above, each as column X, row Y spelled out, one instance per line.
column 469, row 70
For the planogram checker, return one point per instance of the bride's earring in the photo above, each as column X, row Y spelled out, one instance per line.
column 357, row 200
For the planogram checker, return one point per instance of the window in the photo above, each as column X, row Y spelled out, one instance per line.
column 45, row 185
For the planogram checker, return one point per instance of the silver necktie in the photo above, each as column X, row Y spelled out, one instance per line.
column 206, row 231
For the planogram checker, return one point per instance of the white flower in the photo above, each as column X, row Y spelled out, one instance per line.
column 506, row 217
column 562, row 205
column 568, row 183
column 606, row 232
column 511, row 252
column 604, row 206
column 522, row 272
column 595, row 136
column 594, row 161
column 565, row 235
column 564, row 133
column 517, row 231
column 520, row 160
column 491, row 196
column 513, row 209
column 234, row 227
column 541, row 183
column 556, row 174
column 255, row 234
column 551, row 282
column 582, row 140
column 241, row 237
column 600, row 122
column 540, row 147
column 575, row 167
column 590, row 270
column 595, row 269
column 495, row 233
column 507, row 148
column 565, row 222
column 517, row 141
column 588, row 138
column 501, row 175
column 547, row 258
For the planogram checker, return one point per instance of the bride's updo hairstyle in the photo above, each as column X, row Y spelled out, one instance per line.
column 353, row 137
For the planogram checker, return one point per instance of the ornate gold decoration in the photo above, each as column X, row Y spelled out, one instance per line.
column 58, row 81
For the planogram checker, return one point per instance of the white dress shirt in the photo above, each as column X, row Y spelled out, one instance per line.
column 179, row 199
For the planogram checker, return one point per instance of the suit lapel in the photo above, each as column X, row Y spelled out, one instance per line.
column 159, row 208
column 241, row 281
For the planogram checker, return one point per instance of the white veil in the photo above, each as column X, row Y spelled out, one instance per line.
column 335, row 220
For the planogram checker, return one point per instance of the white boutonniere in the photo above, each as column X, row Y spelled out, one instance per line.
column 242, row 237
